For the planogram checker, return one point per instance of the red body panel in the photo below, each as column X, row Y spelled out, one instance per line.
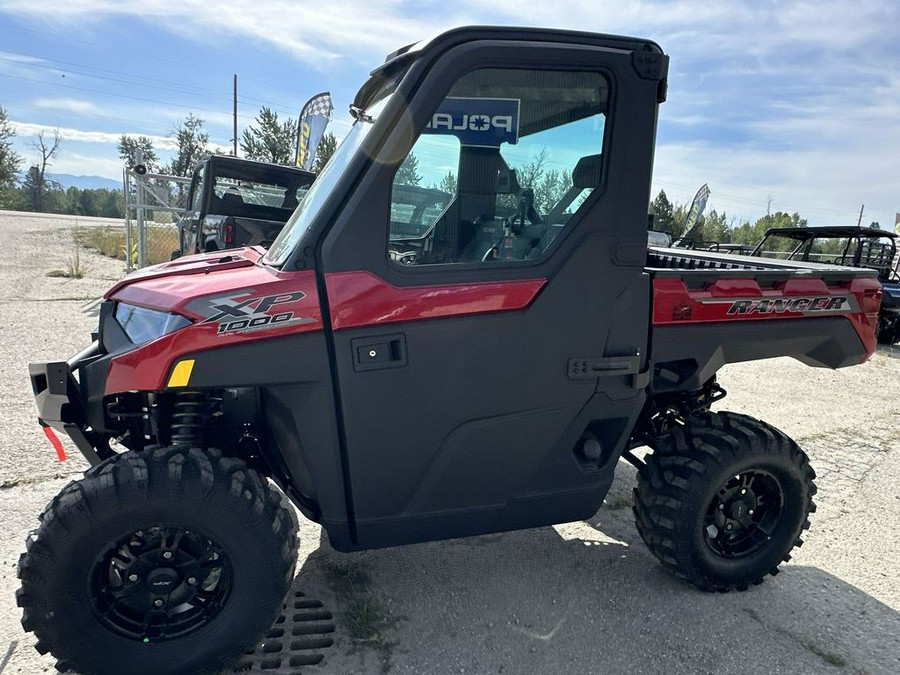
column 213, row 289
column 174, row 285
column 361, row 299
column 742, row 299
column 147, row 368
column 201, row 287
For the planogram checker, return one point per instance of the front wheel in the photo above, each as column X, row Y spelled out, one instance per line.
column 170, row 561
column 723, row 500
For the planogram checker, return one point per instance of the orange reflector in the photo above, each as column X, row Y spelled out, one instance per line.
column 181, row 373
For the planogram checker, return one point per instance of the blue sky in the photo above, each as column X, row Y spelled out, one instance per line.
column 793, row 102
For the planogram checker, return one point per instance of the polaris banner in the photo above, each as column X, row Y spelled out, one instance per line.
column 481, row 122
column 314, row 117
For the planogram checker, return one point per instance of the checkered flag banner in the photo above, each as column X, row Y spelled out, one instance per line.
column 314, row 117
column 696, row 209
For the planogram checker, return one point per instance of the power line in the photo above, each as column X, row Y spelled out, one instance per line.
column 138, row 80
column 133, row 98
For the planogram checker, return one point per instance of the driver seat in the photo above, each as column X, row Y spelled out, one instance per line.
column 585, row 175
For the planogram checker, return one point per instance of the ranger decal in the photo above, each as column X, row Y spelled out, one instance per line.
column 828, row 303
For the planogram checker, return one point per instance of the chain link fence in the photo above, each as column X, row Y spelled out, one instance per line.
column 153, row 205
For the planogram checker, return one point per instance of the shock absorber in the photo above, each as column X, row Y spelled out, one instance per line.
column 190, row 414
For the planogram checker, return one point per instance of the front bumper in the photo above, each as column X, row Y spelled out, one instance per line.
column 61, row 405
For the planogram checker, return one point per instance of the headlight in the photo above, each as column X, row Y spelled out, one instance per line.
column 142, row 325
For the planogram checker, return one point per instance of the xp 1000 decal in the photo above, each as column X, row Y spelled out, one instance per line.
column 240, row 314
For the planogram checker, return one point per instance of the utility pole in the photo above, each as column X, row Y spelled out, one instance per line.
column 859, row 222
column 235, row 114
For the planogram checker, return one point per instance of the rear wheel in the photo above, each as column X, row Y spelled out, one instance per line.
column 723, row 500
column 170, row 561
column 887, row 330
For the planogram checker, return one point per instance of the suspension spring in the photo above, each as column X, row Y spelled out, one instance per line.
column 190, row 415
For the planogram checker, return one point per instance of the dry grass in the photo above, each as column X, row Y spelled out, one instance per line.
column 161, row 240
column 75, row 268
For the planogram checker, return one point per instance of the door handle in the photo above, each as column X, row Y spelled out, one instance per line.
column 378, row 352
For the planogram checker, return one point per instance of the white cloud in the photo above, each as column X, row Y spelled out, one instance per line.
column 77, row 106
column 310, row 32
column 69, row 134
column 19, row 58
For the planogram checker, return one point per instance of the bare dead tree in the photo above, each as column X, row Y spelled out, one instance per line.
column 47, row 150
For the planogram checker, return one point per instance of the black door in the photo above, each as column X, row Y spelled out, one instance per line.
column 487, row 296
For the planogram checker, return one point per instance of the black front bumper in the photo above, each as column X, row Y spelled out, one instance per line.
column 61, row 405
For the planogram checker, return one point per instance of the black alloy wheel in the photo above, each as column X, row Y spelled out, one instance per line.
column 160, row 583
column 168, row 561
column 723, row 499
column 744, row 514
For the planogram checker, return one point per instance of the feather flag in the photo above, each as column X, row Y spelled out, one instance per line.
column 314, row 117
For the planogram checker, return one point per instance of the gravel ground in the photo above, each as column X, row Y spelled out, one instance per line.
column 582, row 597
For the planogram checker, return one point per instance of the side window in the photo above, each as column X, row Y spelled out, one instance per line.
column 196, row 191
column 506, row 160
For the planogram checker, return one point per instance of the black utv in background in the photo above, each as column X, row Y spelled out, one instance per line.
column 848, row 246
column 235, row 202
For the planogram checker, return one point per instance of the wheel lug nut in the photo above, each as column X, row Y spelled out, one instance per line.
column 721, row 507
column 132, row 577
column 743, row 491
column 750, row 512
column 167, row 555
column 192, row 580
column 729, row 526
column 158, row 602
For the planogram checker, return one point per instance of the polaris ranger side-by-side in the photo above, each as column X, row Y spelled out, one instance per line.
column 481, row 371
column 234, row 202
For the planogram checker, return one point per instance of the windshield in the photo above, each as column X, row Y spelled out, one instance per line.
column 309, row 207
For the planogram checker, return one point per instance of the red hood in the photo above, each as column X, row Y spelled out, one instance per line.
column 173, row 285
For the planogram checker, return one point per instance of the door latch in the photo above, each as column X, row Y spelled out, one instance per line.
column 383, row 351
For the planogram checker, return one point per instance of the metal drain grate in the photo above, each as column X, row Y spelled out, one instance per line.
column 296, row 639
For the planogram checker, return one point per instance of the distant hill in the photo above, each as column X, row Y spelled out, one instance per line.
column 67, row 180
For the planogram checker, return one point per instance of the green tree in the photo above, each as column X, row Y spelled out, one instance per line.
column 449, row 184
column 271, row 140
column 41, row 194
column 715, row 228
column 326, row 149
column 408, row 173
column 111, row 203
column 129, row 146
column 550, row 188
column 529, row 174
column 10, row 162
column 664, row 216
column 192, row 141
column 752, row 234
column 87, row 203
column 72, row 196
